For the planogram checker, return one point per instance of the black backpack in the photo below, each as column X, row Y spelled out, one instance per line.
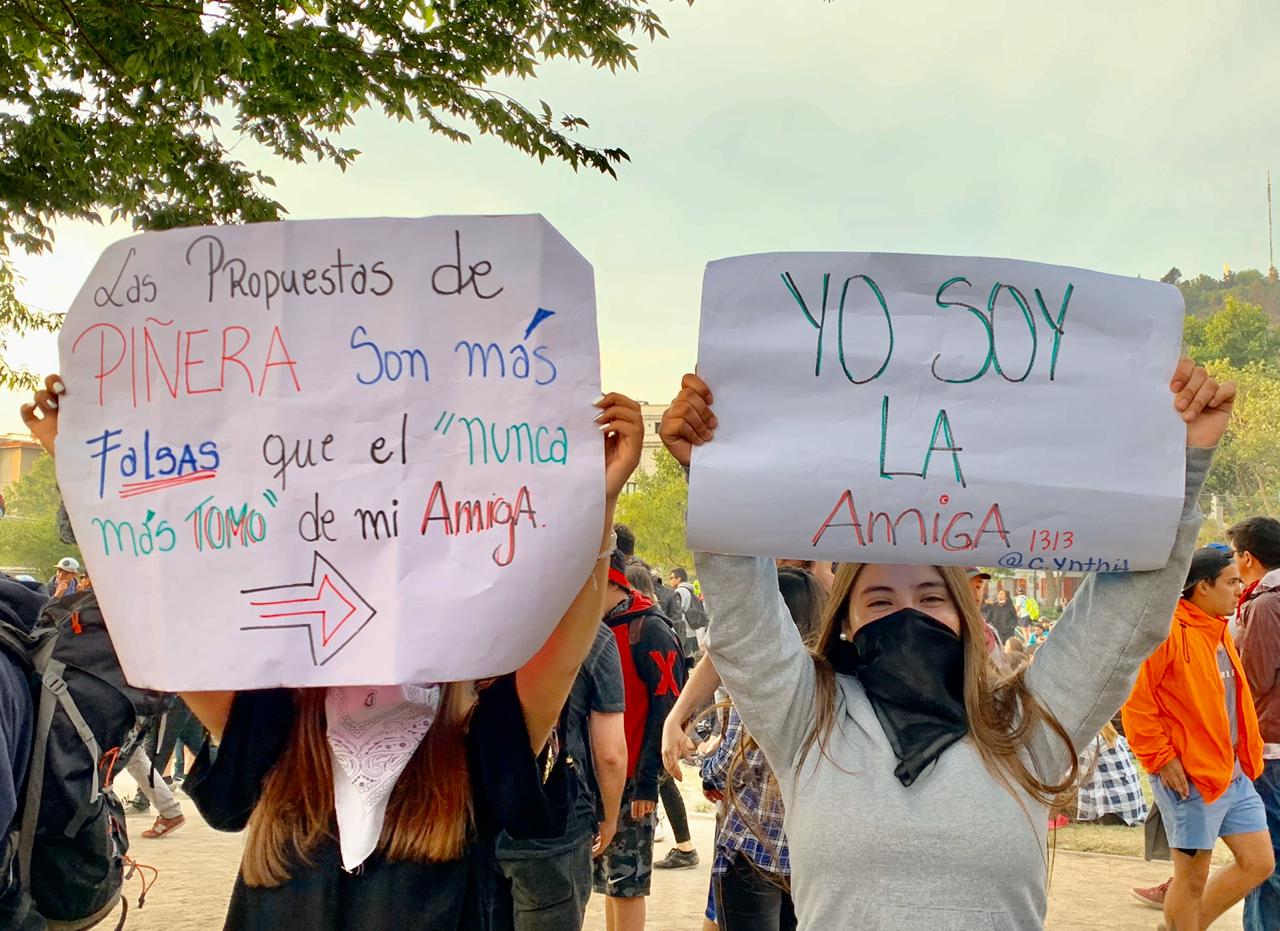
column 678, row 627
column 696, row 614
column 635, row 632
column 71, row 837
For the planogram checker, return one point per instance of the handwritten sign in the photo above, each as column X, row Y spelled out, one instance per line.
column 335, row 452
column 938, row 410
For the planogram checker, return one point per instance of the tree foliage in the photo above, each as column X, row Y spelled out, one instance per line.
column 29, row 530
column 113, row 107
column 1237, row 341
column 655, row 512
column 18, row 319
column 1205, row 295
column 1246, row 470
column 1237, row 333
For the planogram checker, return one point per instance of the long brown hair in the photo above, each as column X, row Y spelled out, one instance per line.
column 429, row 815
column 1003, row 713
column 641, row 579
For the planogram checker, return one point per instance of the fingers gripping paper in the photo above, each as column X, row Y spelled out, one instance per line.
column 334, row 452
column 932, row 409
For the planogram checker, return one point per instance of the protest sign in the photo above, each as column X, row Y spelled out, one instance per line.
column 334, row 452
column 941, row 410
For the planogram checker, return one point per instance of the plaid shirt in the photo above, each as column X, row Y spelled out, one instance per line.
column 1112, row 787
column 736, row 835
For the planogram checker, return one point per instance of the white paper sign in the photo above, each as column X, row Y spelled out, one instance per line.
column 935, row 409
column 356, row 452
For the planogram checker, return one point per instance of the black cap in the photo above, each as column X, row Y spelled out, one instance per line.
column 1207, row 564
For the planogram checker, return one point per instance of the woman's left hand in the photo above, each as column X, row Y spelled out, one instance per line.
column 623, row 429
column 1204, row 403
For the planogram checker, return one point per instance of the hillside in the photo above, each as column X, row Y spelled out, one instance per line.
column 1204, row 295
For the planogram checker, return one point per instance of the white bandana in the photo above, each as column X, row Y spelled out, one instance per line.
column 373, row 731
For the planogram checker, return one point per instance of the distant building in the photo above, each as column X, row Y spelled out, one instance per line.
column 18, row 454
column 652, row 414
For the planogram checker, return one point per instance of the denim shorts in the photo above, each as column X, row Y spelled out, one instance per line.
column 1194, row 824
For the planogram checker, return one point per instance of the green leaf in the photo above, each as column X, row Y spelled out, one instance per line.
column 109, row 107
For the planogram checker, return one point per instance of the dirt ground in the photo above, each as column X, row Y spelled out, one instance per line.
column 197, row 867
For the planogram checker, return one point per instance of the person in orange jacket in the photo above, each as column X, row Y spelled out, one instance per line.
column 1190, row 721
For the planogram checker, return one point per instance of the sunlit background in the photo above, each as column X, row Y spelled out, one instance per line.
column 1123, row 137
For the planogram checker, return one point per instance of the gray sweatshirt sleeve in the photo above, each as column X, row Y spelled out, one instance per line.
column 1086, row 669
column 758, row 652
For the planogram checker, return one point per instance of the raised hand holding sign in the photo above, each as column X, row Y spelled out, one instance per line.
column 932, row 409
column 334, row 452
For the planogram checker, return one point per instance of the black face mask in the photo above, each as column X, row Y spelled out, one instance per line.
column 912, row 669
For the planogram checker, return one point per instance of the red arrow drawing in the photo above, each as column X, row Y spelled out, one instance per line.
column 327, row 606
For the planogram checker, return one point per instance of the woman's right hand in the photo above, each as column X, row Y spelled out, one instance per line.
column 689, row 421
column 44, row 427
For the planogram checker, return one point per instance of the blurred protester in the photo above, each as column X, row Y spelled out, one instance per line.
column 1256, row 543
column 1110, row 789
column 653, row 674
column 1191, row 722
column 544, row 884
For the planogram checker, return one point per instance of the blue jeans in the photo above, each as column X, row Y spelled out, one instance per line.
column 1262, row 905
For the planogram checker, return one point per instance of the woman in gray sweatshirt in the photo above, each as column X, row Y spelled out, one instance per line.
column 948, row 834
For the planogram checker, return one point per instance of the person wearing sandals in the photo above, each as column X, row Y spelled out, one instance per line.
column 905, row 763
column 470, row 760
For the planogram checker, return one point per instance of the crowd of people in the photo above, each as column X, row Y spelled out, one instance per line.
column 864, row 731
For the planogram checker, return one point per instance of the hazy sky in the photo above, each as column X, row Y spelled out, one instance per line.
column 1122, row 137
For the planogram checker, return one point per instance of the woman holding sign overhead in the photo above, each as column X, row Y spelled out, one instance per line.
column 916, row 783
column 376, row 808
